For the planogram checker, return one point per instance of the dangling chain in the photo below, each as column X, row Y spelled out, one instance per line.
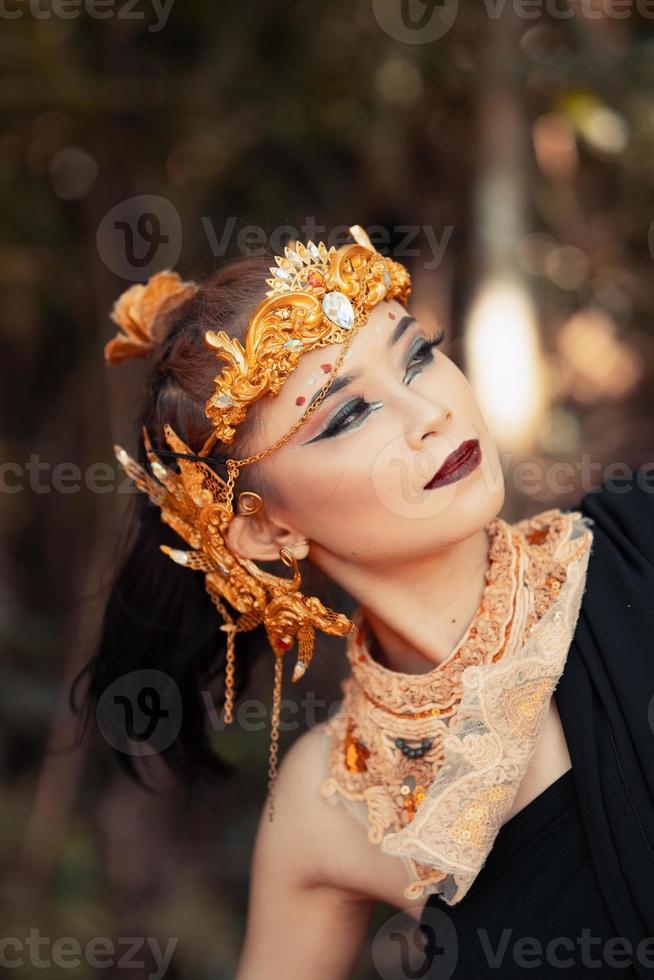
column 229, row 627
column 233, row 466
column 274, row 736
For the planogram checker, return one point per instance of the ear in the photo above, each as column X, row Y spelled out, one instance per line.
column 256, row 537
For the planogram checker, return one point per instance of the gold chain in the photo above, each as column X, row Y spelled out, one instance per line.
column 233, row 467
column 274, row 735
column 229, row 627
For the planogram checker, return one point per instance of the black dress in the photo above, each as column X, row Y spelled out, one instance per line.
column 567, row 889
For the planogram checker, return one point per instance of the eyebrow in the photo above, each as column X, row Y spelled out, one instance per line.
column 345, row 379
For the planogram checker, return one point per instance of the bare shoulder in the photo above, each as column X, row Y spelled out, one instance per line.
column 318, row 843
column 292, row 879
column 302, row 767
column 306, row 828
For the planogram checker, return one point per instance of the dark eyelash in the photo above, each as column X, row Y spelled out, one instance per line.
column 343, row 413
column 352, row 408
column 428, row 345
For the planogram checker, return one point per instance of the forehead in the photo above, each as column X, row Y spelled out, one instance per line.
column 312, row 371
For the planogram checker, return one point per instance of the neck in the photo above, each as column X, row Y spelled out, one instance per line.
column 418, row 612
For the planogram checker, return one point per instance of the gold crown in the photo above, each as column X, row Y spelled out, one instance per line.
column 317, row 296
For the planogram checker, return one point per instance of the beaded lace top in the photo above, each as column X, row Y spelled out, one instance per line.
column 431, row 763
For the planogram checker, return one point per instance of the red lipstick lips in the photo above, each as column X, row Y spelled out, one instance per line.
column 457, row 465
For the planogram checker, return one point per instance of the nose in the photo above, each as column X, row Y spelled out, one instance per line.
column 433, row 418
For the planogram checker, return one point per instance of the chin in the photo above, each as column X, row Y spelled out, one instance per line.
column 478, row 499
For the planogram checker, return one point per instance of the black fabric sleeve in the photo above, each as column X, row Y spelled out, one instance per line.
column 623, row 508
column 606, row 701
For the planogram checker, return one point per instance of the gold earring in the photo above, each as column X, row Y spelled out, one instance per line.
column 250, row 502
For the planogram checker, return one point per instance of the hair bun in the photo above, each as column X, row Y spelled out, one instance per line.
column 140, row 314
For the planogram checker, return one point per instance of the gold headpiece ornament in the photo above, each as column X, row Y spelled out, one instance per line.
column 140, row 313
column 318, row 296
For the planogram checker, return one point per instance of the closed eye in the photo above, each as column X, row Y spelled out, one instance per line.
column 358, row 409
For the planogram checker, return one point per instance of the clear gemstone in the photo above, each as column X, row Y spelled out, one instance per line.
column 338, row 309
column 158, row 470
column 293, row 343
column 315, row 251
column 281, row 273
column 293, row 256
column 387, row 278
column 223, row 401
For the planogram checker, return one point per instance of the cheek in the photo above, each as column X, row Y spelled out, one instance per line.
column 335, row 488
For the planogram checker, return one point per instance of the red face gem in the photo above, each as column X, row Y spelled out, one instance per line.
column 315, row 279
column 300, row 400
column 326, row 368
column 284, row 644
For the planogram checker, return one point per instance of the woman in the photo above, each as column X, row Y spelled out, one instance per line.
column 392, row 488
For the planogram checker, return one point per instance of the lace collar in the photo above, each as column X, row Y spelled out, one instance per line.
column 421, row 750
column 434, row 692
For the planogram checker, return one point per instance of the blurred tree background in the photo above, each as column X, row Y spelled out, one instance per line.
column 505, row 155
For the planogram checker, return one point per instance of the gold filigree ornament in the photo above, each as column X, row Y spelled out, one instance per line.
column 318, row 296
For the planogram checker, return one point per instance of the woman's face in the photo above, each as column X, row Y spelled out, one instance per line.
column 352, row 478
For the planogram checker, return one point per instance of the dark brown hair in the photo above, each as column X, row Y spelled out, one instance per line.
column 158, row 615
